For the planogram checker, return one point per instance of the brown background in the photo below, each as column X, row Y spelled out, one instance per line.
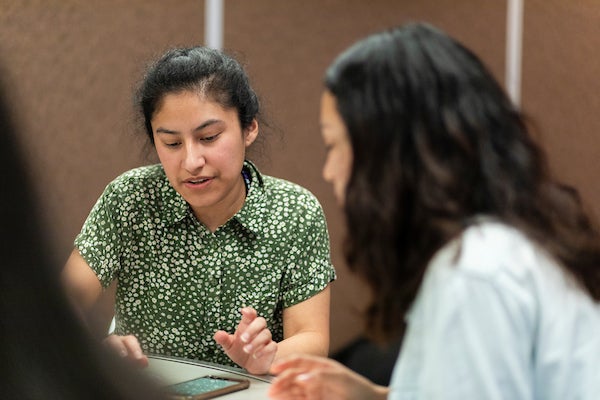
column 72, row 66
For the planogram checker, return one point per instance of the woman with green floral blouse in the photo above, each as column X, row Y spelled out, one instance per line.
column 213, row 260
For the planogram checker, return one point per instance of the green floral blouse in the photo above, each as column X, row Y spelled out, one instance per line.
column 178, row 283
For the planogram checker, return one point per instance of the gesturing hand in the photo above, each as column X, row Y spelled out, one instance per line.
column 251, row 345
column 319, row 378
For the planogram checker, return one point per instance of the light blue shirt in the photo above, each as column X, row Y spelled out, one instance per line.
column 496, row 318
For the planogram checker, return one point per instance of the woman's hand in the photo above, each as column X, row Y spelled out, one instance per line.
column 251, row 346
column 311, row 377
column 127, row 347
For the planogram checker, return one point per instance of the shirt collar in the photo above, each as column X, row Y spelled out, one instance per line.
column 175, row 208
column 249, row 217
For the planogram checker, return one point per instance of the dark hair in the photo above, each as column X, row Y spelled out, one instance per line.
column 436, row 142
column 207, row 71
column 45, row 351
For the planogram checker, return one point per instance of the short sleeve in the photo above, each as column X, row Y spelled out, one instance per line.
column 99, row 241
column 310, row 269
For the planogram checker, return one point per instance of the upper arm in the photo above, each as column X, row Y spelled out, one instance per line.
column 311, row 315
column 477, row 340
column 81, row 282
column 311, row 270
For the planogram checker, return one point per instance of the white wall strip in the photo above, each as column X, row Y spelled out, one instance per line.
column 514, row 44
column 213, row 23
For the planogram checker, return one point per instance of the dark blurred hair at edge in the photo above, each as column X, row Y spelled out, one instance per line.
column 45, row 351
column 436, row 142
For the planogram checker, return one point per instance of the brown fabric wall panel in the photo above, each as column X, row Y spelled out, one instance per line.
column 73, row 66
column 288, row 44
column 561, row 88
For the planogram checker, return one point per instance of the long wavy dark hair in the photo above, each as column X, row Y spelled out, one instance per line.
column 435, row 143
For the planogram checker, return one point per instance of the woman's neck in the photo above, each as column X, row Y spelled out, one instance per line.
column 217, row 215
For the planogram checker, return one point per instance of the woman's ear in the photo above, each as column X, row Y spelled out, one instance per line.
column 251, row 132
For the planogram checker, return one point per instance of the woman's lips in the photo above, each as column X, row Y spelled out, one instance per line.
column 197, row 183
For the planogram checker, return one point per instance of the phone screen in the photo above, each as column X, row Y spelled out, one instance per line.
column 204, row 384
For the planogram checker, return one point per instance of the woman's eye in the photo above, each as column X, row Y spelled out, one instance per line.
column 210, row 138
column 174, row 144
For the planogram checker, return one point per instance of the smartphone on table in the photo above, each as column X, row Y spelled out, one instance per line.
column 205, row 387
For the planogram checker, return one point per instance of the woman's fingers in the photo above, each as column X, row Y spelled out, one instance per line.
column 268, row 349
column 224, row 339
column 289, row 385
column 304, row 362
column 127, row 347
column 249, row 328
column 321, row 378
column 248, row 314
column 251, row 346
column 256, row 336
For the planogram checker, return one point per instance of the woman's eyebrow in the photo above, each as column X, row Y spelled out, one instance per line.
column 198, row 128
column 165, row 130
column 207, row 123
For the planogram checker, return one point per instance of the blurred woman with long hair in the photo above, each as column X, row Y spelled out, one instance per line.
column 489, row 265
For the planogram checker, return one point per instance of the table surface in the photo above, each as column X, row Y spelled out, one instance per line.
column 170, row 370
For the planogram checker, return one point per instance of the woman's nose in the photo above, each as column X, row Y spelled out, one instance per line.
column 194, row 157
column 326, row 171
